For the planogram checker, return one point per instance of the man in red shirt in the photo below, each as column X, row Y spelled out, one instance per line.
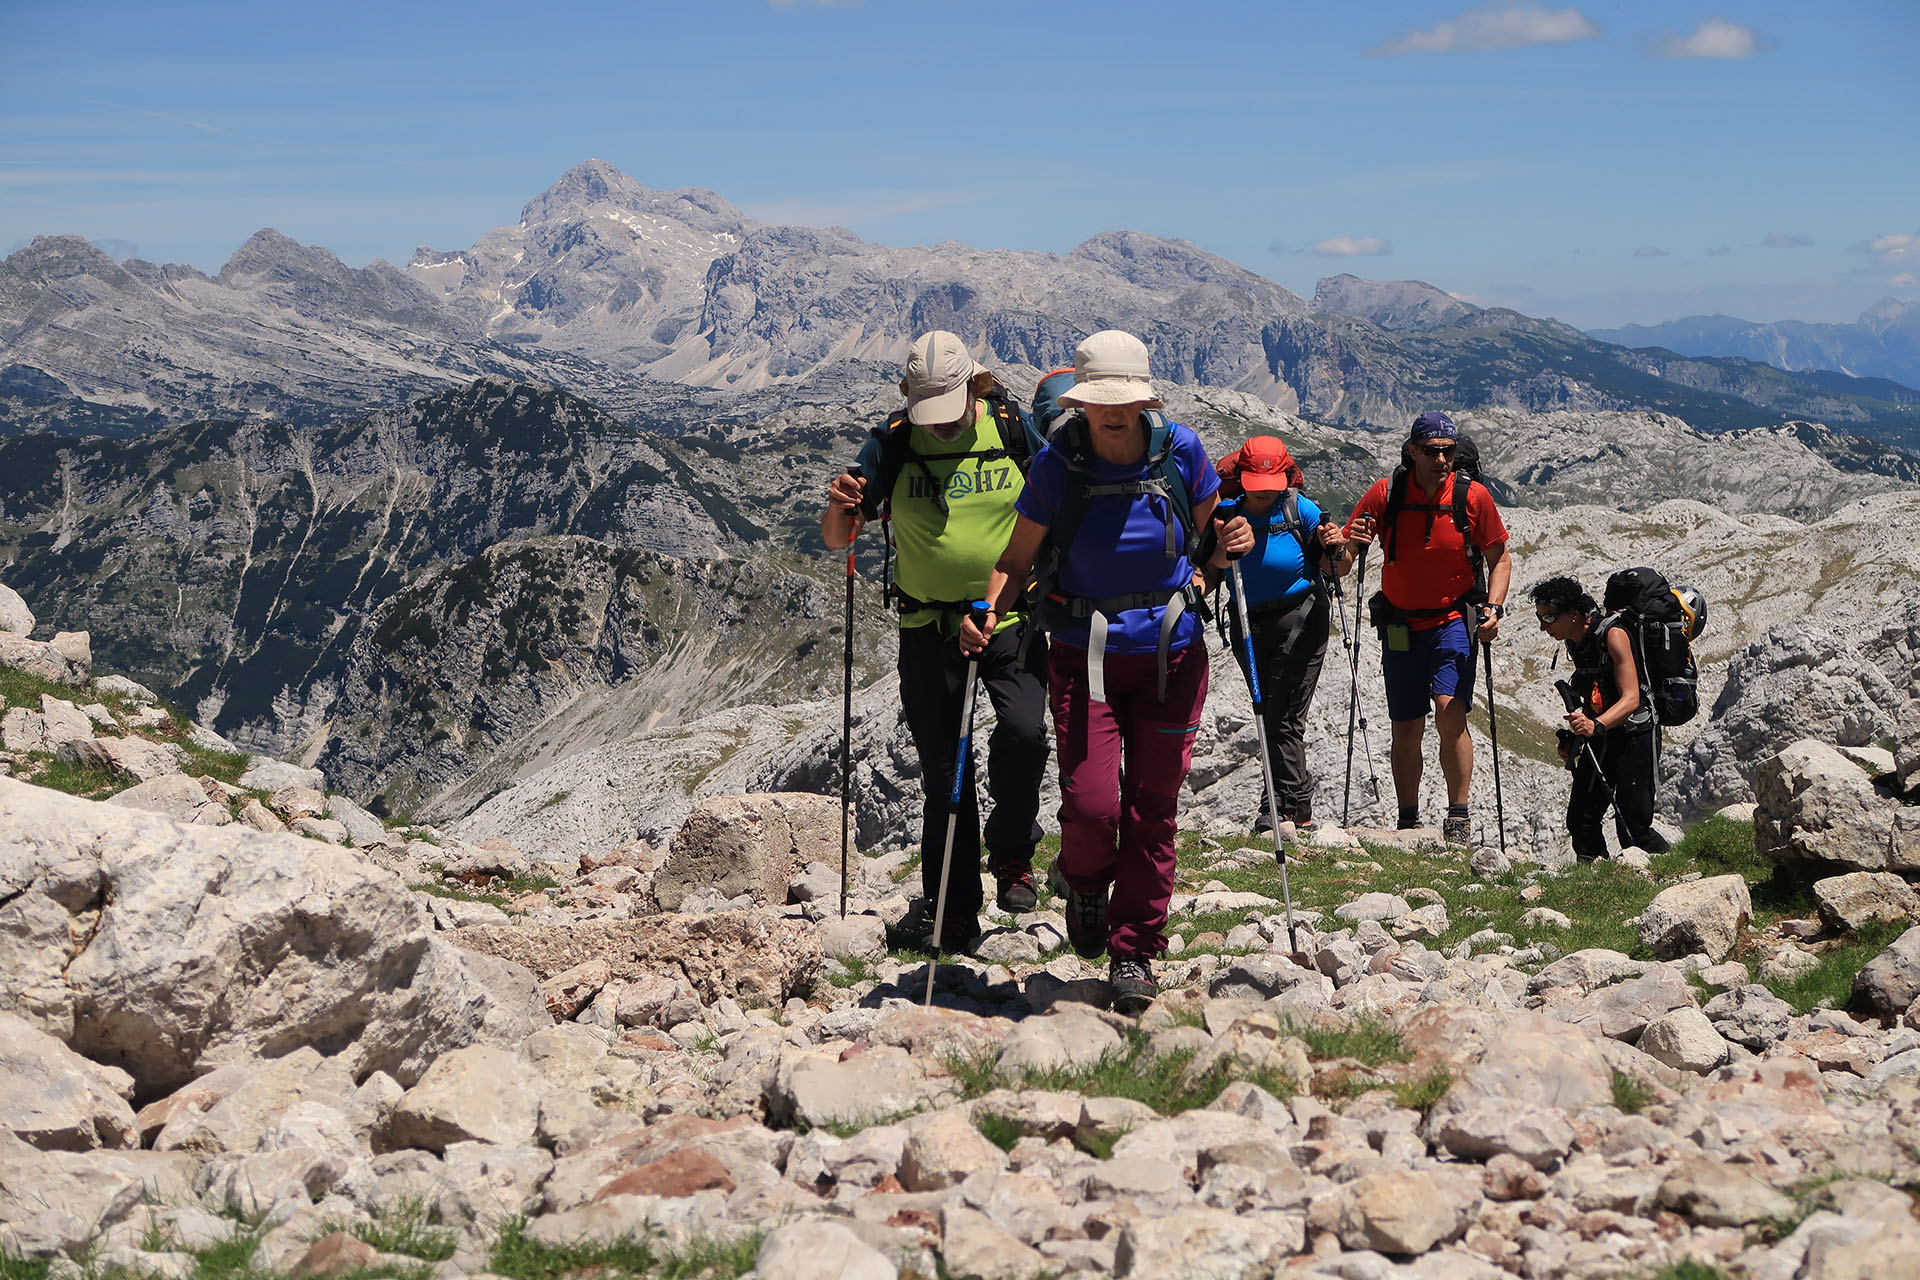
column 1442, row 588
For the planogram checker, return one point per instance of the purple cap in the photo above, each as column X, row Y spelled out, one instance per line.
column 1433, row 423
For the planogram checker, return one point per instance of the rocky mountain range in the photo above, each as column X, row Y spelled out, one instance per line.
column 629, row 296
column 1883, row 343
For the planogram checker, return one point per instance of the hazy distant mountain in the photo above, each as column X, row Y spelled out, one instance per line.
column 634, row 297
column 1391, row 304
column 1883, row 343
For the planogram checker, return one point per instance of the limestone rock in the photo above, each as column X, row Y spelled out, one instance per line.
column 944, row 1149
column 264, row 773
column 1750, row 1015
column 819, row 1249
column 471, row 1094
column 1397, row 1211
column 15, row 617
column 878, row 1085
column 292, row 802
column 126, row 687
column 52, row 661
column 178, row 797
column 1862, row 897
column 1686, row 1040
column 753, row 844
column 133, row 758
column 1700, row 915
column 755, row 959
column 1207, row 1242
column 1540, row 1136
column 1818, row 807
column 1888, row 984
column 54, row 1202
column 1718, row 1195
column 362, row 827
column 214, row 945
column 54, row 1099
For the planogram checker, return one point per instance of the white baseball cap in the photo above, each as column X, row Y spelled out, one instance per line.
column 939, row 379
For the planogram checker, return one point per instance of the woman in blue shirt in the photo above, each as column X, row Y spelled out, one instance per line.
column 1127, row 668
column 1287, row 606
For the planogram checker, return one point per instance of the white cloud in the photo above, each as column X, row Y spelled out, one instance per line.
column 1352, row 247
column 1713, row 38
column 1719, row 251
column 1896, row 250
column 1782, row 240
column 1493, row 27
column 1648, row 251
column 1905, row 280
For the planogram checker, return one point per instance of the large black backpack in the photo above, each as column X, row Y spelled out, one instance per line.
column 897, row 453
column 1662, row 621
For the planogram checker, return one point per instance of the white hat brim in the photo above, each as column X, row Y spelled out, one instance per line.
column 942, row 408
column 1111, row 391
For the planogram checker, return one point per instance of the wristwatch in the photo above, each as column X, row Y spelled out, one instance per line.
column 1499, row 610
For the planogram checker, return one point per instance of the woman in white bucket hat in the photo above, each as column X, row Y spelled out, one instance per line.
column 1122, row 489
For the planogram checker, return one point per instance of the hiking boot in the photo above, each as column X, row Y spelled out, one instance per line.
column 1017, row 894
column 1086, row 915
column 1131, row 978
column 1457, row 830
column 1263, row 825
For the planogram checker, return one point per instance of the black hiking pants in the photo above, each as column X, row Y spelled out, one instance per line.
column 933, row 679
column 1287, row 681
column 1625, row 779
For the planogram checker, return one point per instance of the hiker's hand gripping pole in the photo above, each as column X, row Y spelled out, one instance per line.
column 1260, row 732
column 978, row 616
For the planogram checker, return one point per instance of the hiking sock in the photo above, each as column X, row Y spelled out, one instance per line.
column 1456, row 811
column 1409, row 816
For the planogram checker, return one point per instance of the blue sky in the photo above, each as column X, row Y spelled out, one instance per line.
column 1599, row 162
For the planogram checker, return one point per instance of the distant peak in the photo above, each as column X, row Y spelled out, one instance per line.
column 595, row 181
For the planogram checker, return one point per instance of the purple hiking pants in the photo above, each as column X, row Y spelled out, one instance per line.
column 1115, row 833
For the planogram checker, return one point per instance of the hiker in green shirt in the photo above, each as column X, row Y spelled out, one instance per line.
column 947, row 470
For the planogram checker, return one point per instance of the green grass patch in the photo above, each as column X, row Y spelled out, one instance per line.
column 520, row 885
column 401, row 1228
column 553, row 801
column 1422, row 1092
column 520, row 1257
column 441, row 889
column 1829, row 984
column 1129, row 1073
column 20, row 689
column 21, row 1269
column 998, row 1130
column 226, row 766
column 1630, row 1095
column 852, row 972
column 47, row 770
column 1368, row 1041
column 1690, row 1269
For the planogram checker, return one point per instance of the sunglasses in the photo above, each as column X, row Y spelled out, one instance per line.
column 1435, row 450
column 1547, row 619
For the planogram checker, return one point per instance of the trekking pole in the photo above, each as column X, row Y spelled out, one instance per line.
column 846, row 728
column 1493, row 731
column 1260, row 736
column 1353, row 688
column 978, row 614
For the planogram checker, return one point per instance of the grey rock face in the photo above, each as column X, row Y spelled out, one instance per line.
column 1851, row 901
column 754, row 844
column 56, row 1100
column 1890, row 982
column 1817, row 807
column 369, row 981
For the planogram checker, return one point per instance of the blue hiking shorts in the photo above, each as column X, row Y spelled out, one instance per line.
column 1436, row 663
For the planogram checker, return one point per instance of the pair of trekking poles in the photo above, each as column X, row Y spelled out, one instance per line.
column 1350, row 638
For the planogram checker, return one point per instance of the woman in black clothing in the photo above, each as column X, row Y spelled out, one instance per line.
column 1609, row 741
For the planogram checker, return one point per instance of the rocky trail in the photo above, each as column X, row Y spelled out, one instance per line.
column 246, row 1029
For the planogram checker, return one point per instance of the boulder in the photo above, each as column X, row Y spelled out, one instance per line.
column 1623, row 1010
column 1397, row 1211
column 62, row 722
column 1859, row 898
column 54, row 1099
column 944, row 1149
column 127, row 688
column 298, row 802
column 818, row 1249
column 15, row 617
column 362, row 827
column 1718, row 1195
column 1750, row 1015
column 753, row 844
column 237, row 1109
column 756, row 959
column 178, row 797
column 1686, row 1040
column 55, row 662
column 135, row 759
column 481, row 1093
column 1906, row 745
column 1888, row 984
column 60, row 1202
column 201, row 946
column 1700, row 915
column 264, row 773
column 1819, row 808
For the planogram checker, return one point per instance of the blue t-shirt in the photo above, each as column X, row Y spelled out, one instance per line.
column 1121, row 546
column 1275, row 571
